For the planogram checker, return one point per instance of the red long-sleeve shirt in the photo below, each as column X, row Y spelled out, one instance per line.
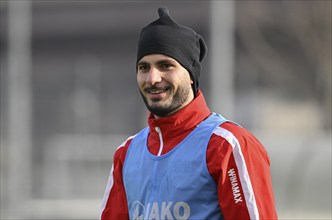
column 236, row 160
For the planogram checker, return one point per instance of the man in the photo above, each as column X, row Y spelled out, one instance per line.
column 189, row 163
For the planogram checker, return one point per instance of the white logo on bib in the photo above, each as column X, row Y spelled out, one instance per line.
column 166, row 210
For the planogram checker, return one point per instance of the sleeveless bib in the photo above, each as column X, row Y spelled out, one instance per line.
column 176, row 185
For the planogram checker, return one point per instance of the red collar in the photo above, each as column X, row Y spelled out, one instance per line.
column 176, row 127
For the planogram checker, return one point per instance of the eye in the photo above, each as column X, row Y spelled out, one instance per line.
column 166, row 66
column 142, row 68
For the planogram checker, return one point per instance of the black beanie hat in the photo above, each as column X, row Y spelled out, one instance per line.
column 165, row 36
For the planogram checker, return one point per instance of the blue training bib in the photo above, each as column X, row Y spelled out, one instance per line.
column 176, row 185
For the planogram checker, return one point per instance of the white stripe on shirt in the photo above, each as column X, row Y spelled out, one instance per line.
column 107, row 192
column 242, row 169
column 110, row 182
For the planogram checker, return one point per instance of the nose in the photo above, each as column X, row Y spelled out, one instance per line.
column 154, row 76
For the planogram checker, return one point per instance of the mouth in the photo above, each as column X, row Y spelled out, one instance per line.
column 156, row 92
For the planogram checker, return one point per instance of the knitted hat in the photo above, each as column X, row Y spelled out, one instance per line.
column 165, row 36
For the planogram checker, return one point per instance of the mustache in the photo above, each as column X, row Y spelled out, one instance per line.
column 151, row 88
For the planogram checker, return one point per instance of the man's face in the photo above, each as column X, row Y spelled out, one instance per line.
column 164, row 84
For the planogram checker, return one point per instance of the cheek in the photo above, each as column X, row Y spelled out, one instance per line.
column 186, row 79
column 140, row 80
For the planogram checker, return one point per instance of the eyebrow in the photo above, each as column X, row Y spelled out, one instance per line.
column 141, row 63
column 159, row 62
column 165, row 61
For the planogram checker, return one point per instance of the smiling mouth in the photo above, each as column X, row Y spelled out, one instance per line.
column 154, row 90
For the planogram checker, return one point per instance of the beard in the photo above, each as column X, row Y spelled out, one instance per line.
column 170, row 105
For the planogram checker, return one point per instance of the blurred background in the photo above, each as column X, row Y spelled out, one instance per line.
column 69, row 96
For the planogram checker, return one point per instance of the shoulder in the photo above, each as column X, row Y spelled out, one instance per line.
column 229, row 137
column 121, row 151
column 231, row 131
column 231, row 145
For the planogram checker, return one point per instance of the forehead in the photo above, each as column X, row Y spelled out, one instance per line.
column 155, row 58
